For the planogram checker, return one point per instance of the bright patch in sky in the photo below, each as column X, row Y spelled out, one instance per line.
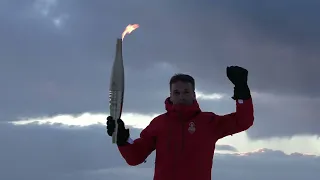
column 213, row 96
column 59, row 21
column 46, row 7
column 301, row 144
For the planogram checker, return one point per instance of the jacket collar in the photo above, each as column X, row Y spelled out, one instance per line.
column 182, row 112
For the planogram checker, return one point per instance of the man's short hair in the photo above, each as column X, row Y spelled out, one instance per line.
column 183, row 78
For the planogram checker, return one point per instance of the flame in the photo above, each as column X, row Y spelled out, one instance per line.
column 129, row 29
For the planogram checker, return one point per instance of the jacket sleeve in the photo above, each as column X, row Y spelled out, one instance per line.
column 235, row 122
column 136, row 152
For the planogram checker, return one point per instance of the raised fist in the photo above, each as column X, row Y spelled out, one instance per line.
column 237, row 75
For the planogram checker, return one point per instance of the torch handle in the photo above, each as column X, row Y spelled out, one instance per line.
column 114, row 135
column 115, row 102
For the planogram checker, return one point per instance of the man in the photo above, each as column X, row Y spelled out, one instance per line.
column 184, row 137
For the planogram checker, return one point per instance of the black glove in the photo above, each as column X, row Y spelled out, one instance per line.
column 123, row 133
column 239, row 77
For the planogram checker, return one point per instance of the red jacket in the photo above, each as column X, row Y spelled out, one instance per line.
column 184, row 139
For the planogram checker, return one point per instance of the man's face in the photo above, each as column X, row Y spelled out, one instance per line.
column 182, row 93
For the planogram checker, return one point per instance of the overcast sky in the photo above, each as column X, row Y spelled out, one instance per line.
column 56, row 57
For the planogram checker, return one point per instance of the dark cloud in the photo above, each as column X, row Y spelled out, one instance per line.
column 276, row 41
column 70, row 152
column 278, row 116
column 275, row 116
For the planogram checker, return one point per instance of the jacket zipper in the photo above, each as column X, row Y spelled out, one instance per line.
column 182, row 132
column 183, row 139
column 176, row 147
column 171, row 147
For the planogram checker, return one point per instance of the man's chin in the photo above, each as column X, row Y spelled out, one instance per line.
column 184, row 104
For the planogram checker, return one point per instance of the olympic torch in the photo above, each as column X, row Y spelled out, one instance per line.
column 116, row 88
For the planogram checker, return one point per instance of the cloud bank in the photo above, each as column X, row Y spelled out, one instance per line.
column 59, row 151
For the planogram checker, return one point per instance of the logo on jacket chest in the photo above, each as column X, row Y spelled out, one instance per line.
column 192, row 127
